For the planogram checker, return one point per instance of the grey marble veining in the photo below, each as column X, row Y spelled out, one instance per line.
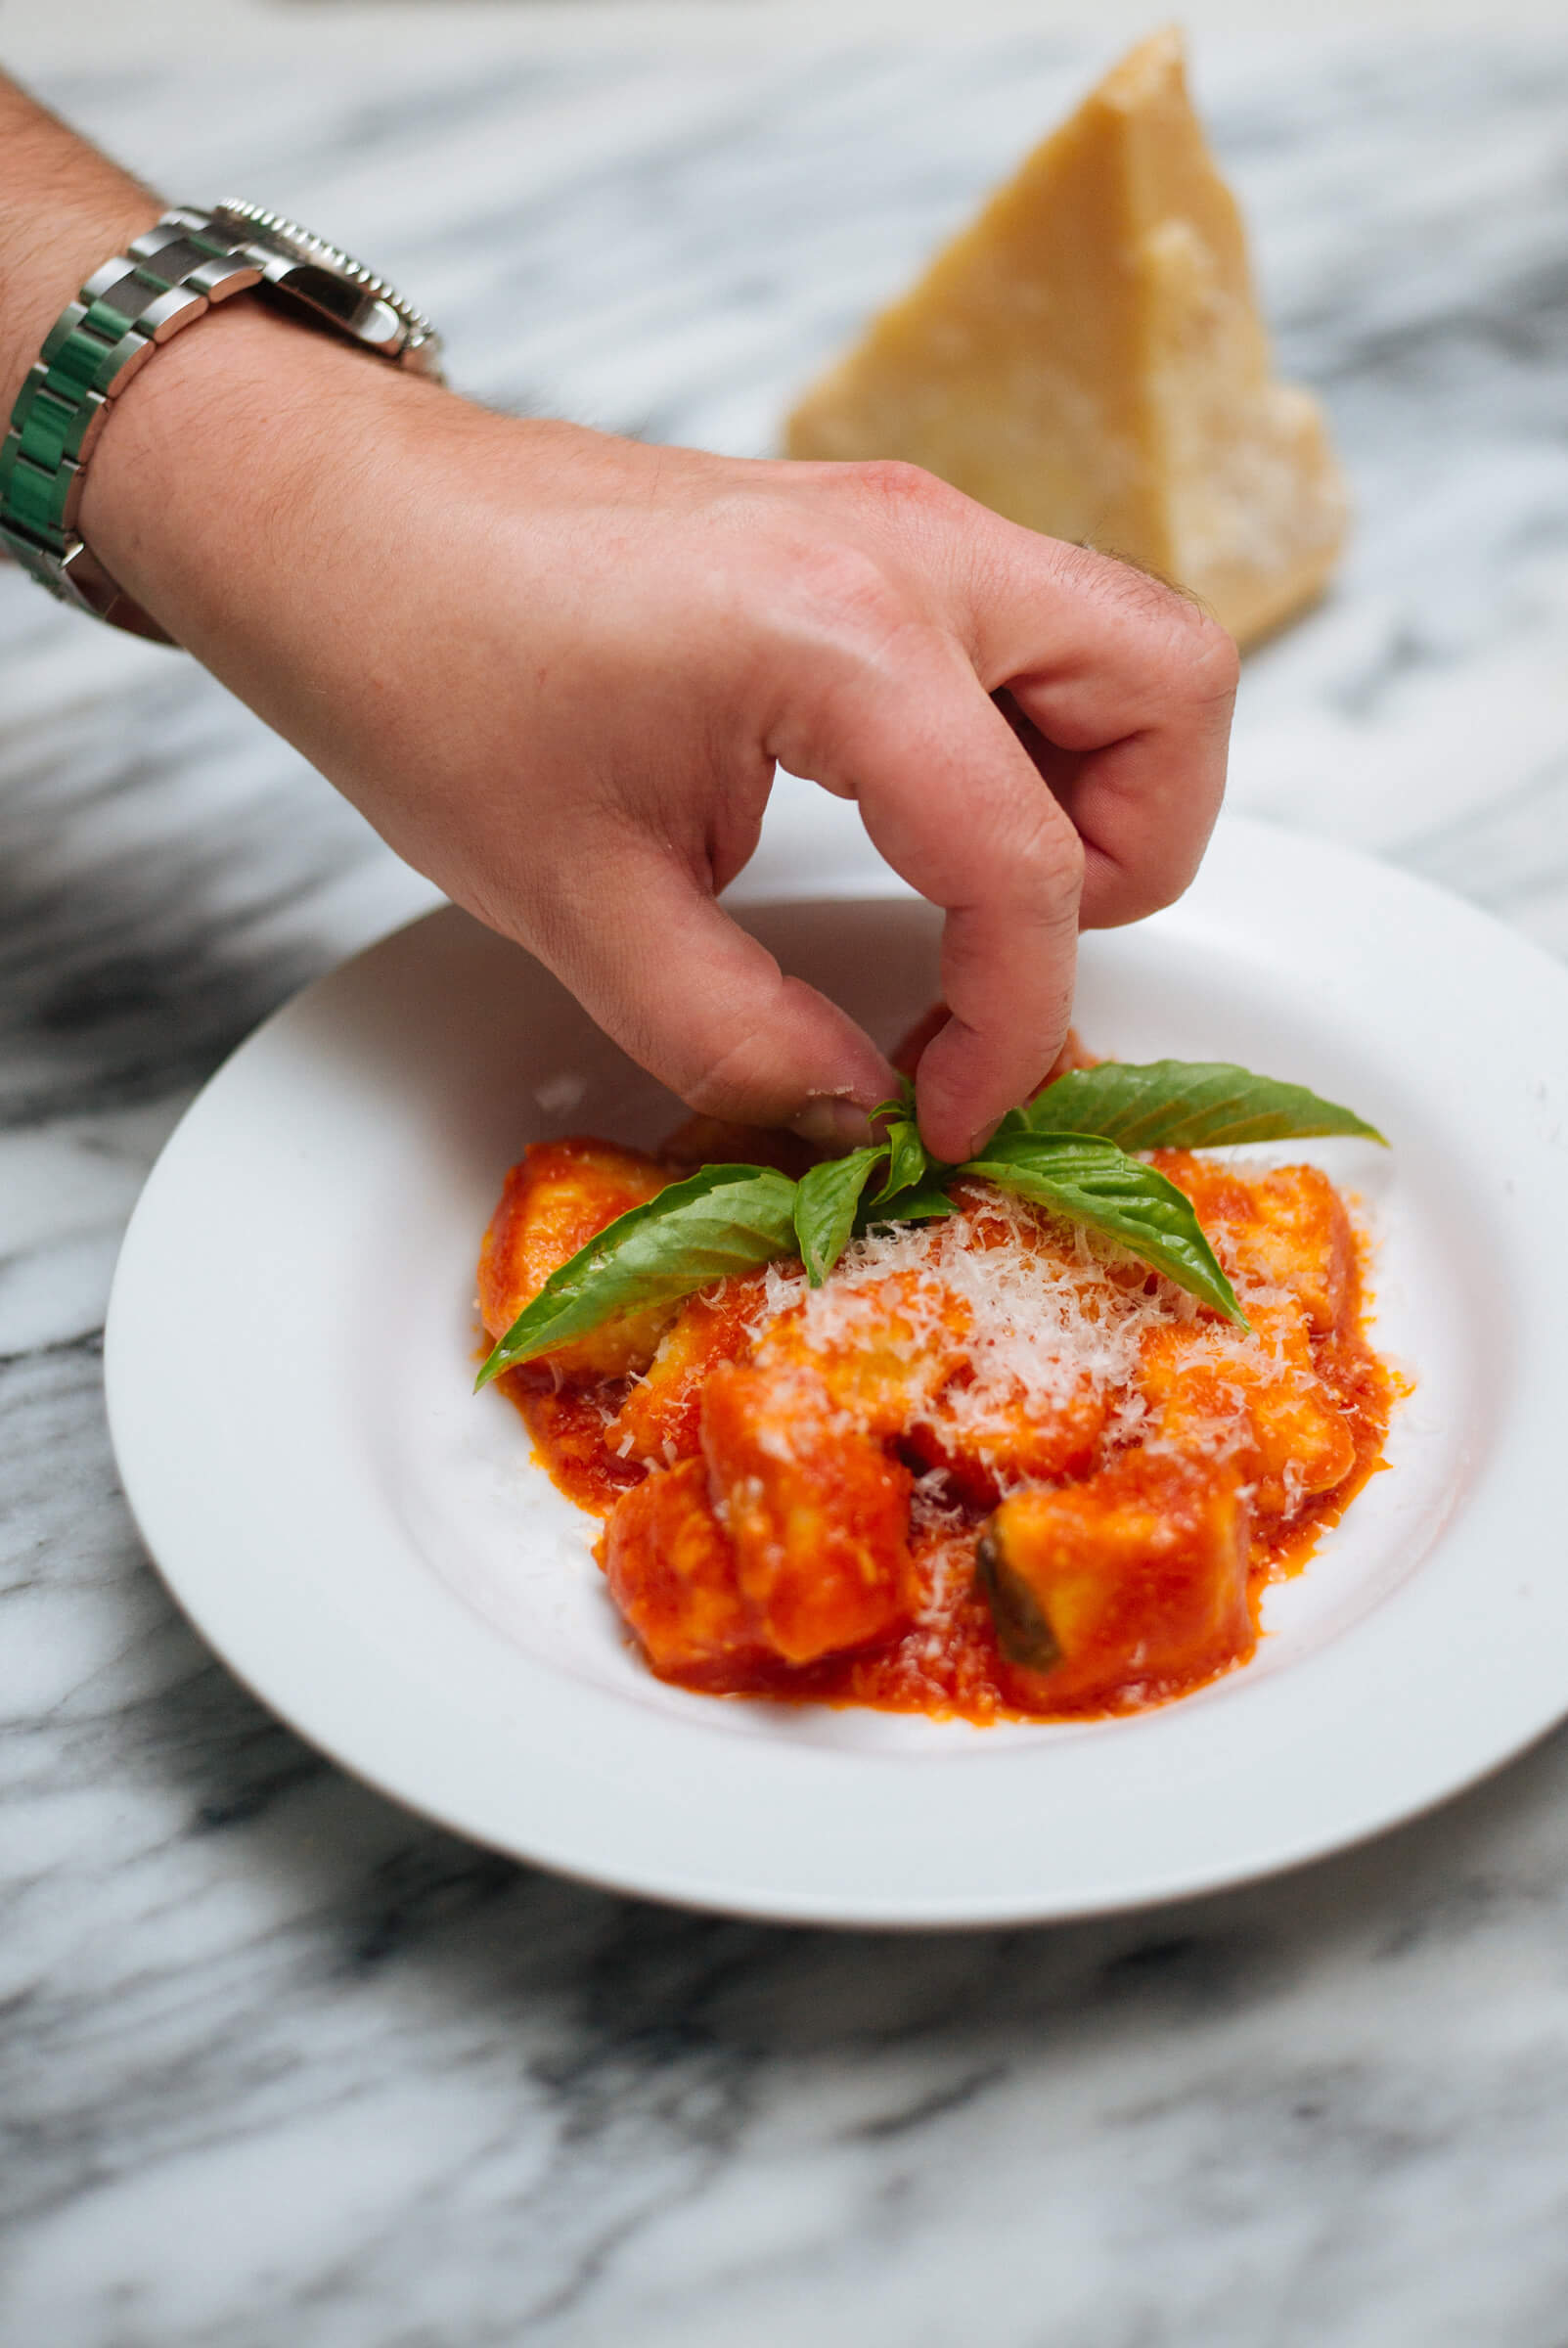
column 280, row 2065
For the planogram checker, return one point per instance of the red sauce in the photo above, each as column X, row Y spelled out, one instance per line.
column 950, row 1664
column 568, row 1427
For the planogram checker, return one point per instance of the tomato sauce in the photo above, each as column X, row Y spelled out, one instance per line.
column 942, row 1658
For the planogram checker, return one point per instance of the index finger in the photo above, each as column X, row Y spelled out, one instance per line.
column 956, row 806
column 1131, row 685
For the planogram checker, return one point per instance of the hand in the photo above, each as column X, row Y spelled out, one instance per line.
column 556, row 669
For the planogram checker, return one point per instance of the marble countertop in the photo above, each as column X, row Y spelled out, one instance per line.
column 280, row 2065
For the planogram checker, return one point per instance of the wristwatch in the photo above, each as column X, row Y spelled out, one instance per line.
column 164, row 281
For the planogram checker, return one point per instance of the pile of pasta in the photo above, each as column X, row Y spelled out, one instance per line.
column 992, row 1467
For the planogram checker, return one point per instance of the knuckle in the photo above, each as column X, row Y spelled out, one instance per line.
column 903, row 488
column 1214, row 660
column 1147, row 593
column 1140, row 588
column 1202, row 654
column 724, row 1081
column 1044, row 857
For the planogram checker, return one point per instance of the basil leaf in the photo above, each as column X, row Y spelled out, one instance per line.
column 922, row 1204
column 909, row 1162
column 902, row 1104
column 827, row 1197
column 720, row 1221
column 1093, row 1182
column 1068, row 1149
column 1182, row 1104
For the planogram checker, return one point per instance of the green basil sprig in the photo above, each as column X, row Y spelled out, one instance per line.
column 720, row 1221
column 1182, row 1104
column 925, row 1203
column 828, row 1202
column 1070, row 1149
column 909, row 1162
column 1095, row 1183
column 837, row 1202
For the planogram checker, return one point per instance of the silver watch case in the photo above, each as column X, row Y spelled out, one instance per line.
column 343, row 293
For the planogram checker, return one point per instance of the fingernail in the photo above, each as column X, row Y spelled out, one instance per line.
column 978, row 1141
column 833, row 1124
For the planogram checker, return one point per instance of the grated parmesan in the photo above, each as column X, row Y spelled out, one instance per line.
column 1043, row 1313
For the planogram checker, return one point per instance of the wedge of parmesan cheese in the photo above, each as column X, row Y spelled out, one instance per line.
column 1088, row 359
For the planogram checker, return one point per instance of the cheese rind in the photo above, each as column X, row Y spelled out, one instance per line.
column 1086, row 358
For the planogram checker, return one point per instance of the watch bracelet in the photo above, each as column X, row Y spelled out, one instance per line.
column 167, row 279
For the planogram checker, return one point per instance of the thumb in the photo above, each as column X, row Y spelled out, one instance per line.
column 666, row 972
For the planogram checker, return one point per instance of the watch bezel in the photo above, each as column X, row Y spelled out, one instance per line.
column 291, row 241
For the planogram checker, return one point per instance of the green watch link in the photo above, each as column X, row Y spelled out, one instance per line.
column 164, row 281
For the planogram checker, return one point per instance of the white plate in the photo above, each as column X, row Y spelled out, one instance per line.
column 292, row 1342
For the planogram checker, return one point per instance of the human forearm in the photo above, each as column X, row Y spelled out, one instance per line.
column 556, row 670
